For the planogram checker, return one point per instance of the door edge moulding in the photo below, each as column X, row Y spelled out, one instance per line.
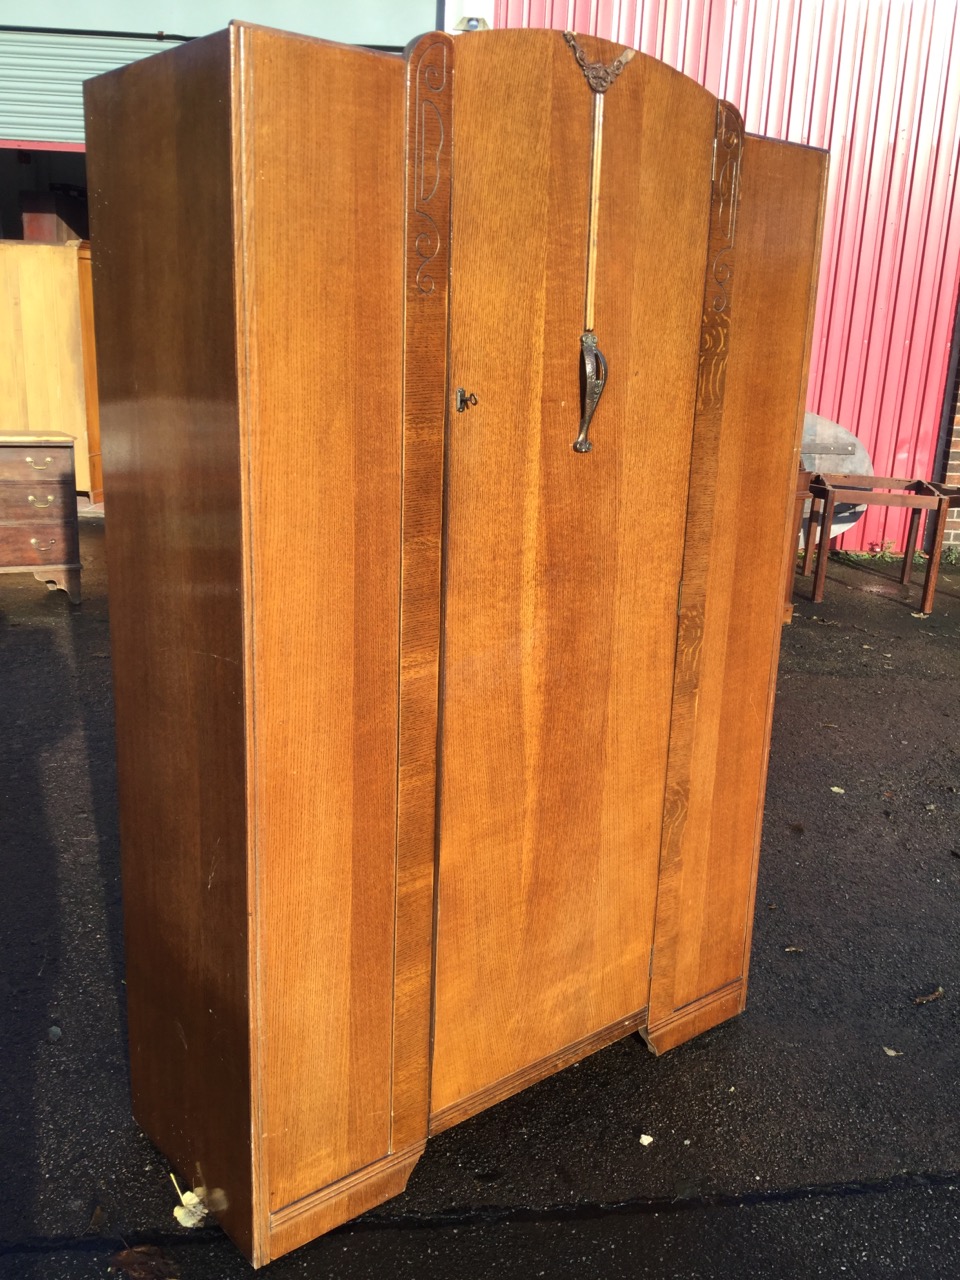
column 425, row 396
column 718, row 296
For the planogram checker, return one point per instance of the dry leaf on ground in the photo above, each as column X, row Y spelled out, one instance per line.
column 892, row 1053
column 97, row 1218
column 145, row 1262
column 928, row 999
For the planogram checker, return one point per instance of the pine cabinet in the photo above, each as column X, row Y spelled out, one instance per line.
column 450, row 407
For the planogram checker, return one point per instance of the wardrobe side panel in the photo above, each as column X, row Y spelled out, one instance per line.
column 740, row 501
column 159, row 164
column 322, row 241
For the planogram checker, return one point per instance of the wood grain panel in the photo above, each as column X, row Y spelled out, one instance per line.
column 733, row 599
column 41, row 364
column 507, row 1086
column 322, row 184
column 164, row 283
column 427, row 248
column 88, row 345
column 561, row 568
column 13, row 390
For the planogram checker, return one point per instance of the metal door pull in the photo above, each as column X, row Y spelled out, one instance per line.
column 593, row 378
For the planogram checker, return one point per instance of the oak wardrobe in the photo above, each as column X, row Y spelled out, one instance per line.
column 450, row 406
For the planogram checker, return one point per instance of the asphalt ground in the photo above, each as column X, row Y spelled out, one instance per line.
column 816, row 1135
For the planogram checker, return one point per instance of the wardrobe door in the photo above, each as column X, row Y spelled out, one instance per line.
column 562, row 568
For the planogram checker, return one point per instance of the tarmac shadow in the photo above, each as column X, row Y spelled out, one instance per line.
column 35, row 723
column 61, row 995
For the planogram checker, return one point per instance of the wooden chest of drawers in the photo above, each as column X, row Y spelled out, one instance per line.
column 38, row 510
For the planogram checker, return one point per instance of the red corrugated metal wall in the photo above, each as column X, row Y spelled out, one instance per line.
column 877, row 83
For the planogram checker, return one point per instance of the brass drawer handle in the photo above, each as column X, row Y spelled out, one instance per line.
column 43, row 546
column 37, row 503
column 38, row 466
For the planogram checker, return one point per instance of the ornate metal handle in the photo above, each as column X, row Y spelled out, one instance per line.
column 43, row 546
column 37, row 503
column 38, row 466
column 591, row 386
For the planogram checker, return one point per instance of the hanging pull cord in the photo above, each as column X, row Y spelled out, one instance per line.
column 593, row 367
